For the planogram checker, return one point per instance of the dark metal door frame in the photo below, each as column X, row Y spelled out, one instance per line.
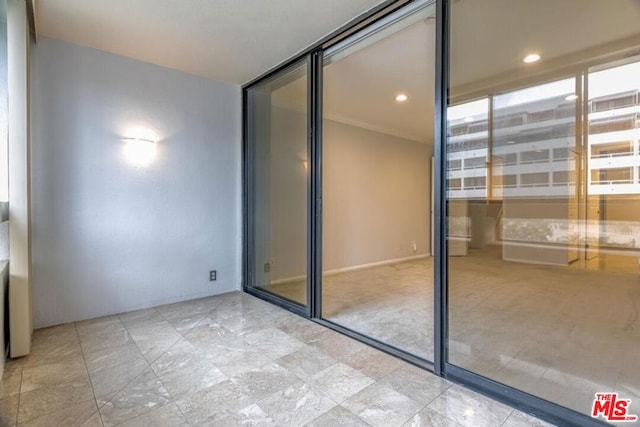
column 314, row 218
column 518, row 399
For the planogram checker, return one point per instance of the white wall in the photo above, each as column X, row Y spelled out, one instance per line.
column 109, row 237
column 376, row 196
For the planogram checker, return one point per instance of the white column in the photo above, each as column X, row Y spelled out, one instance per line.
column 20, row 313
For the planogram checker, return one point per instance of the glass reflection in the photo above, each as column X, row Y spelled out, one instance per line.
column 544, row 201
column 376, row 158
column 278, row 142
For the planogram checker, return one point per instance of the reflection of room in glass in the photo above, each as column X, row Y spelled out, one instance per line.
column 555, row 228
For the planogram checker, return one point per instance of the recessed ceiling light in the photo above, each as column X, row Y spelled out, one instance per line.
column 571, row 97
column 532, row 57
column 468, row 119
column 401, row 97
column 511, row 142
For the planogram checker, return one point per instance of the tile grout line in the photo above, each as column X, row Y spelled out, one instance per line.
column 300, row 380
column 182, row 337
column 113, row 394
column 337, row 404
column 150, row 362
column 38, row 366
column 190, row 331
column 320, row 391
column 148, row 367
column 508, row 416
column 19, row 395
column 87, row 370
column 86, row 367
column 429, row 402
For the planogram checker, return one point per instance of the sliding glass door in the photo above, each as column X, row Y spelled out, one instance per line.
column 377, row 143
column 532, row 112
column 543, row 198
column 277, row 180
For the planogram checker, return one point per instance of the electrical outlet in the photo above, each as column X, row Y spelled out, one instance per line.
column 267, row 267
column 414, row 247
column 213, row 275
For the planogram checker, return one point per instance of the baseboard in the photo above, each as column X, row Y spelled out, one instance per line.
column 374, row 264
column 353, row 268
column 287, row 280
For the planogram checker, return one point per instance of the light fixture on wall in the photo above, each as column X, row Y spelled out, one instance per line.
column 139, row 152
column 401, row 97
column 531, row 58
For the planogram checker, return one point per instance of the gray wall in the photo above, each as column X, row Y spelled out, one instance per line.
column 376, row 196
column 288, row 193
column 109, row 237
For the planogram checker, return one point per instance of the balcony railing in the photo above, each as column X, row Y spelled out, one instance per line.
column 612, row 182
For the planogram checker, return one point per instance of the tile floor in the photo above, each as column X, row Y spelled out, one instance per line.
column 227, row 360
column 560, row 333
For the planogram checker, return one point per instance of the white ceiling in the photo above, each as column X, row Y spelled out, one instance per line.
column 229, row 40
column 489, row 38
column 236, row 40
column 360, row 88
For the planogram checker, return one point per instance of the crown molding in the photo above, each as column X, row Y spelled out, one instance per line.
column 355, row 123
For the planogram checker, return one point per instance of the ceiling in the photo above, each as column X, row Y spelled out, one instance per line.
column 228, row 40
column 236, row 40
column 489, row 39
column 360, row 87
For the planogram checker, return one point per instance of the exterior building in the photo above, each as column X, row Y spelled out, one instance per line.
column 534, row 150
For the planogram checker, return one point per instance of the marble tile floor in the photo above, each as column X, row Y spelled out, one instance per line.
column 228, row 360
column 559, row 333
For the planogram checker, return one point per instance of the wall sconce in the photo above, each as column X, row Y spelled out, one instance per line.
column 139, row 152
column 305, row 163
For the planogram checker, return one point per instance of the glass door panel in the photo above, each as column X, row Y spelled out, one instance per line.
column 377, row 149
column 277, row 136
column 542, row 240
